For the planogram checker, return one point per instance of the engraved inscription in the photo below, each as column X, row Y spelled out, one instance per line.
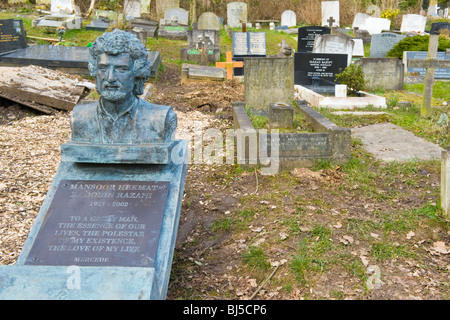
column 113, row 223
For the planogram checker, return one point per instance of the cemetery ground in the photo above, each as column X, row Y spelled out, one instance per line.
column 363, row 229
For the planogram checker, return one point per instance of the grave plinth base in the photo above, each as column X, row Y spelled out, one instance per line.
column 96, row 214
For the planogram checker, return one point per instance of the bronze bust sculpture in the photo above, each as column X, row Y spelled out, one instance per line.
column 119, row 63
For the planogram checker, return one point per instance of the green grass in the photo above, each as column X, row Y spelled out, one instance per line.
column 441, row 89
column 256, row 258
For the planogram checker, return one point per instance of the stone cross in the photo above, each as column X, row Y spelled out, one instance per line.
column 330, row 21
column 230, row 65
column 430, row 64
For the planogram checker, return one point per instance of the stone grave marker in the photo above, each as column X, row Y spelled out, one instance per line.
column 358, row 48
column 73, row 60
column 101, row 24
column 163, row 5
column 330, row 13
column 382, row 73
column 374, row 11
column 317, row 71
column 111, row 214
column 388, row 142
column 445, row 182
column 208, row 21
column 246, row 45
column 132, row 8
column 307, row 35
column 440, row 72
column 359, row 20
column 203, row 46
column 334, row 43
column 431, row 63
column 413, row 23
column 171, row 29
column 181, row 16
column 149, row 25
column 437, row 26
column 12, row 35
column 288, row 18
column 281, row 115
column 236, row 14
column 376, row 25
column 433, row 8
column 383, row 42
column 268, row 80
column 62, row 6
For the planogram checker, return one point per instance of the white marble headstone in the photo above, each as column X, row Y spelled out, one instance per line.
column 413, row 23
column 376, row 25
column 330, row 12
column 288, row 18
column 236, row 14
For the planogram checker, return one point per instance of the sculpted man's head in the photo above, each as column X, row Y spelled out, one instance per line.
column 119, row 62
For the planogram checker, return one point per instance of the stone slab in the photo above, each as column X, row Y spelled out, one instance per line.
column 55, row 283
column 388, row 142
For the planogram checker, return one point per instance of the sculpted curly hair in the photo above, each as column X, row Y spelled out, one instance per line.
column 117, row 42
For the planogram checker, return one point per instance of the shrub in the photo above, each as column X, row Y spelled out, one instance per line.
column 353, row 77
column 416, row 43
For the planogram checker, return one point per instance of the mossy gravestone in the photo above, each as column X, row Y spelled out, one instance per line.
column 107, row 228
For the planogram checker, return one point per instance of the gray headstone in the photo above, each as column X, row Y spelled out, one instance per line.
column 181, row 15
column 208, row 21
column 236, row 14
column 281, row 115
column 382, row 73
column 383, row 42
column 439, row 73
column 288, row 18
column 268, row 80
column 374, row 11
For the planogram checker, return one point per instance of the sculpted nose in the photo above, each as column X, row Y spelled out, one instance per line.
column 110, row 74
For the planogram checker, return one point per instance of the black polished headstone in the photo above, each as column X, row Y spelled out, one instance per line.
column 320, row 66
column 306, row 36
column 436, row 26
column 49, row 56
column 12, row 35
column 248, row 45
column 102, row 223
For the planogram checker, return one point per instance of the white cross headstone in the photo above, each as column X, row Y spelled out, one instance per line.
column 330, row 13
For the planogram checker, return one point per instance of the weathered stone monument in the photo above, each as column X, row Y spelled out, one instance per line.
column 236, row 14
column 383, row 42
column 108, row 225
column 203, row 46
column 268, row 80
column 288, row 18
column 208, row 21
column 382, row 73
